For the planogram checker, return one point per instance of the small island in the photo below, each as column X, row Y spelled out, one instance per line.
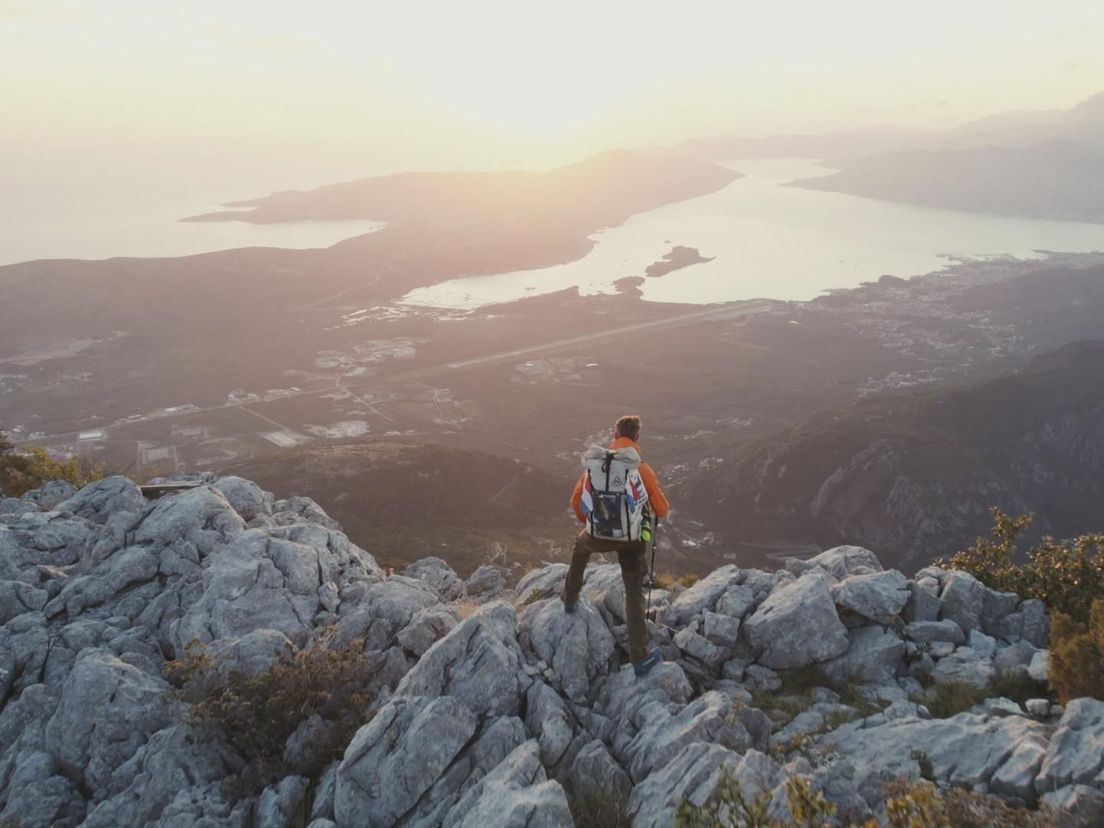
column 679, row 257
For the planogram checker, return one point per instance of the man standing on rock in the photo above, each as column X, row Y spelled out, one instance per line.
column 617, row 497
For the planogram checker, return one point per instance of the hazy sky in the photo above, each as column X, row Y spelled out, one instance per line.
column 299, row 90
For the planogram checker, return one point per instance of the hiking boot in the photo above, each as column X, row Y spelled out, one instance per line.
column 654, row 657
column 569, row 608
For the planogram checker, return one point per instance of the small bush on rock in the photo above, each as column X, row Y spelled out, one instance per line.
column 24, row 469
column 1065, row 575
column 1017, row 685
column 666, row 580
column 1077, row 655
column 731, row 809
column 923, row 805
column 951, row 698
column 319, row 688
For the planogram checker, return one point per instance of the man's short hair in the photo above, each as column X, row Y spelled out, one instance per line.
column 627, row 426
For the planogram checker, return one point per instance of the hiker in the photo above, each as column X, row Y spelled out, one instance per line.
column 617, row 497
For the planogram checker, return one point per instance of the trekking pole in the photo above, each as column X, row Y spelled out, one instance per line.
column 651, row 568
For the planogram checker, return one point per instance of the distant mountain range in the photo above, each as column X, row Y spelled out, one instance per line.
column 914, row 474
column 1056, row 180
column 597, row 192
column 1046, row 164
column 1082, row 124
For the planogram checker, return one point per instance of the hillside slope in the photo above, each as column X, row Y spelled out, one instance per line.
column 406, row 500
column 915, row 474
column 1054, row 180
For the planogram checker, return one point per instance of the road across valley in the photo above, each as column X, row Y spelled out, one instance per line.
column 716, row 312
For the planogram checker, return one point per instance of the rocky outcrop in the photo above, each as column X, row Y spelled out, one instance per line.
column 797, row 624
column 492, row 706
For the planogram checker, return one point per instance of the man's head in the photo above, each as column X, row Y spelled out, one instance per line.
column 627, row 426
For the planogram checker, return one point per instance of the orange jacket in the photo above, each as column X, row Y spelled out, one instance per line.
column 657, row 500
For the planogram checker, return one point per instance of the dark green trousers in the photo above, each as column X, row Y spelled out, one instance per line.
column 632, row 557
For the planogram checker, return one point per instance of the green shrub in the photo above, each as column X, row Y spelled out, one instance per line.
column 950, row 698
column 1077, row 655
column 24, row 469
column 946, row 699
column 258, row 713
column 1017, row 685
column 793, row 696
column 1065, row 575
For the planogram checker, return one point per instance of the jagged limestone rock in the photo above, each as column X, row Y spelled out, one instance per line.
column 712, row 718
column 41, row 796
column 205, row 807
column 1036, row 625
column 49, row 495
column 1075, row 755
column 797, row 625
column 487, row 583
column 964, row 664
column 106, row 711
column 34, row 539
column 173, row 760
column 382, row 609
column 701, row 648
column 516, row 794
column 923, row 603
column 95, row 595
column 877, row 596
column 578, row 647
column 12, row 506
column 604, row 589
column 413, row 762
column 839, row 562
column 98, row 501
column 701, row 596
column 251, row 654
column 595, row 773
column 426, row 627
column 966, row 750
column 282, row 805
column 478, row 663
column 874, row 655
column 245, row 497
column 438, row 575
column 17, row 598
column 395, row 759
column 1080, row 806
column 693, row 776
column 551, row 723
column 974, row 606
column 546, row 582
column 926, row 632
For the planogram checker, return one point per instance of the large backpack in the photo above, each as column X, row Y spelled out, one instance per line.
column 614, row 497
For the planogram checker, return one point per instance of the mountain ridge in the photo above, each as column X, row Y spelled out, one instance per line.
column 916, row 472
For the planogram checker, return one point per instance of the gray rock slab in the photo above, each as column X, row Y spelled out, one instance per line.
column 578, row 647
column 516, row 794
column 878, row 596
column 479, row 663
column 797, row 625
